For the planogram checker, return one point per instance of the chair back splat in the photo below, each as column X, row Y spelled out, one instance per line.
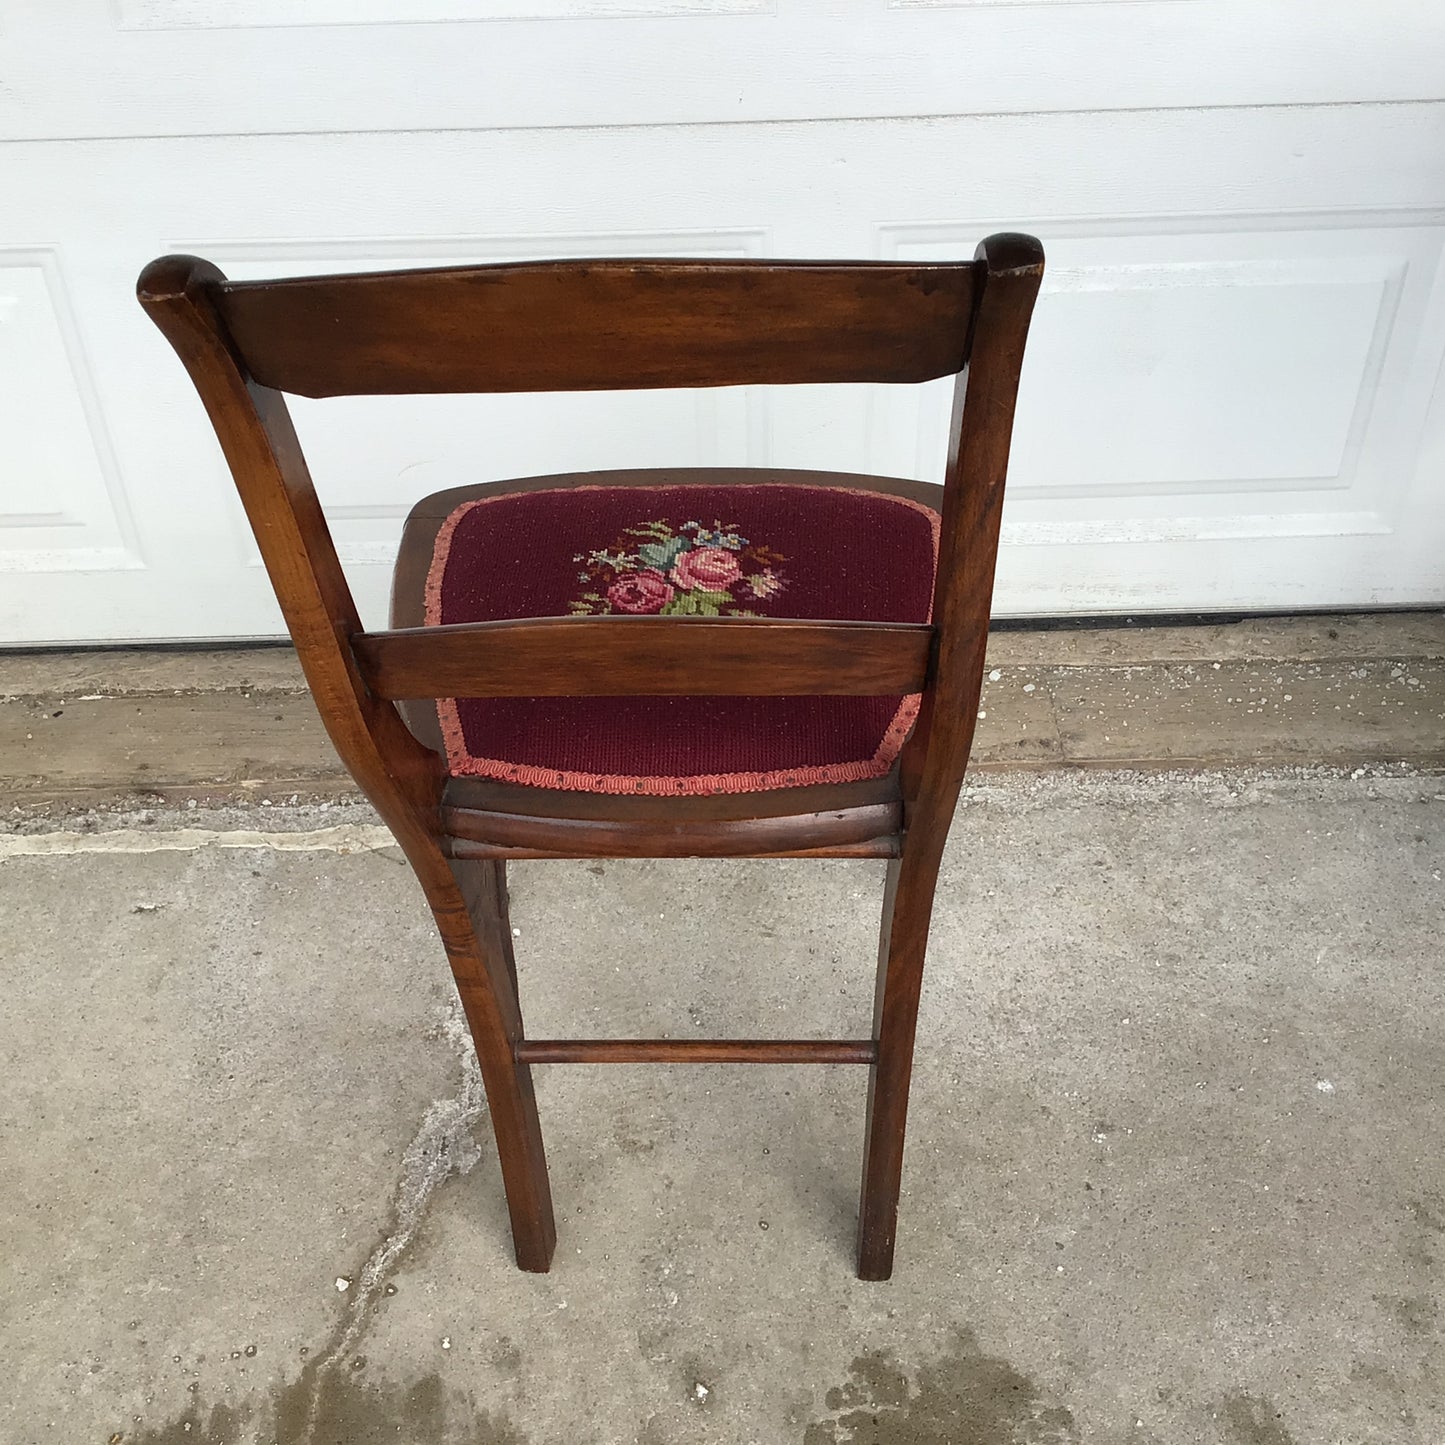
column 761, row 704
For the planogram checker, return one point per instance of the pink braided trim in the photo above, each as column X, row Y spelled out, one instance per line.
column 463, row 763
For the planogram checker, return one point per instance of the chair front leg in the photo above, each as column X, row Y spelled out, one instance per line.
column 903, row 942
column 476, row 930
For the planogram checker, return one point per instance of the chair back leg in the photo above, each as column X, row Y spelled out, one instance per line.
column 477, row 934
column 903, row 941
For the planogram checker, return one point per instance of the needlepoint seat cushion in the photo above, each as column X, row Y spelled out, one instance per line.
column 766, row 549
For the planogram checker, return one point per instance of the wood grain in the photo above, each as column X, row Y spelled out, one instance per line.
column 697, row 1051
column 889, row 847
column 875, row 824
column 936, row 755
column 647, row 656
column 601, row 325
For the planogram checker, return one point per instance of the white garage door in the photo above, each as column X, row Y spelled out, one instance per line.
column 1233, row 398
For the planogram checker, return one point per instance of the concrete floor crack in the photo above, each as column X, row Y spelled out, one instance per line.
column 443, row 1146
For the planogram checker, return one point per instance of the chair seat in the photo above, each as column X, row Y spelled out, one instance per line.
column 697, row 543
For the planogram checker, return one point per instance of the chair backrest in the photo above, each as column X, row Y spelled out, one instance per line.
column 601, row 325
column 590, row 325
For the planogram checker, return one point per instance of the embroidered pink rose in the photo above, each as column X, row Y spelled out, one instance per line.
column 714, row 569
column 640, row 592
column 671, row 569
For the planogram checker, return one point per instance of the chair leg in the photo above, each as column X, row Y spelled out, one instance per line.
column 477, row 933
column 903, row 941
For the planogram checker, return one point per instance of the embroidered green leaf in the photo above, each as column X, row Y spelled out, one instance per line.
column 660, row 530
column 697, row 602
column 603, row 561
column 661, row 554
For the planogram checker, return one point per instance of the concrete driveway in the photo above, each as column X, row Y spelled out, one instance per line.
column 1175, row 1169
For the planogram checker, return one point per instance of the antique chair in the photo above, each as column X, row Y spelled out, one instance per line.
column 756, row 702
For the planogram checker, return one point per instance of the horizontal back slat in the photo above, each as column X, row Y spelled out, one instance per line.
column 601, row 325
column 646, row 656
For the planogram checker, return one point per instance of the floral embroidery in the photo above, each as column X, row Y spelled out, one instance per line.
column 686, row 571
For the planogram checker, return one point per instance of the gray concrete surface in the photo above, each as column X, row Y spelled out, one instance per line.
column 81, row 729
column 1175, row 1169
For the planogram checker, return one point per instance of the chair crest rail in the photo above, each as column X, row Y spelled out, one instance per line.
column 603, row 325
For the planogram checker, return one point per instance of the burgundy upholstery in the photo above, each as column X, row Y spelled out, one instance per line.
column 770, row 550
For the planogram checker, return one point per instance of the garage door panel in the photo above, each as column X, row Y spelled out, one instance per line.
column 1227, row 403
column 241, row 14
column 242, row 66
column 1181, row 377
column 62, row 506
column 1238, row 380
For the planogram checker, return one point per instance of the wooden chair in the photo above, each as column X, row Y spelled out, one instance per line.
column 661, row 620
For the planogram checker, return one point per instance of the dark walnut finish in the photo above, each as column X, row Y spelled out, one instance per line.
column 698, row 1051
column 576, row 657
column 598, row 325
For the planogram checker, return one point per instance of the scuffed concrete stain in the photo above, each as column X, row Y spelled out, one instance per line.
column 1386, row 1382
column 328, row 1406
column 1422, row 1234
column 1414, row 1313
column 1250, row 1420
column 1418, row 1312
column 333, row 1407
column 223, row 1426
column 332, row 1402
column 963, row 1397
